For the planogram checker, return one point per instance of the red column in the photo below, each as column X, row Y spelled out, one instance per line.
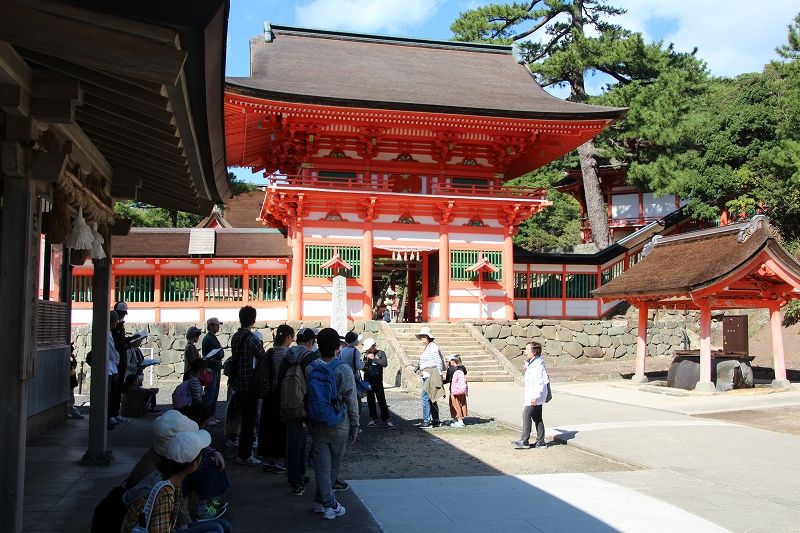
column 366, row 270
column 444, row 274
column 779, row 364
column 298, row 260
column 705, row 384
column 508, row 274
column 411, row 299
column 641, row 345
column 424, row 316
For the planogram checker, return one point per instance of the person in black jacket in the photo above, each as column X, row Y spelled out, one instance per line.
column 374, row 362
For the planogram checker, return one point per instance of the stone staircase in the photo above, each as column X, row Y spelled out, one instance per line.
column 452, row 338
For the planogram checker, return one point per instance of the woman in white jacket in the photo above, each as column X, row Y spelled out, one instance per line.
column 536, row 386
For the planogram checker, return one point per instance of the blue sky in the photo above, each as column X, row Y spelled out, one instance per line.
column 732, row 36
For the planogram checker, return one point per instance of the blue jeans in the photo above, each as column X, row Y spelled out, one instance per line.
column 212, row 391
column 428, row 407
column 219, row 525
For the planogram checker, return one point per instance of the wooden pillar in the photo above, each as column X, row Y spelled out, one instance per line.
column 97, row 452
column 19, row 289
column 705, row 384
column 366, row 270
column 425, row 274
column 411, row 301
column 201, row 296
column 641, row 345
column 779, row 364
column 298, row 261
column 157, row 292
column 508, row 274
column 444, row 274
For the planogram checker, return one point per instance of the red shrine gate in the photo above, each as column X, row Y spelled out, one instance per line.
column 387, row 148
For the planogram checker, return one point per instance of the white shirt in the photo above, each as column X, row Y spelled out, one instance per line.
column 536, row 380
column 431, row 357
column 113, row 356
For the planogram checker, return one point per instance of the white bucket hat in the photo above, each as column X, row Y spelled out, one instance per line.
column 185, row 446
column 369, row 343
column 426, row 331
column 167, row 426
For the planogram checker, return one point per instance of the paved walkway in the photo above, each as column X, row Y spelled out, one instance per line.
column 738, row 477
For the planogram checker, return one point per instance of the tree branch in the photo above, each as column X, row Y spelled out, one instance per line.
column 550, row 45
column 536, row 26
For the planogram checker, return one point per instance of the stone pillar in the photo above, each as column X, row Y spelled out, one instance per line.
column 641, row 345
column 97, row 452
column 779, row 364
column 705, row 384
column 19, row 280
column 444, row 274
column 508, row 274
column 298, row 261
column 366, row 270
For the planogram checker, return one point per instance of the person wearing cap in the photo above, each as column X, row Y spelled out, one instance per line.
column 190, row 352
column 375, row 361
column 182, row 455
column 537, row 384
column 135, row 366
column 431, row 366
column 303, row 353
column 247, row 352
column 211, row 343
column 118, row 332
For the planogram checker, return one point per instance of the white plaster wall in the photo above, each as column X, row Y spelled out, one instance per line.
column 475, row 293
column 580, row 269
column 81, row 316
column 546, row 268
column 269, row 313
column 463, row 310
column 322, row 308
column 334, row 233
column 220, row 264
column 180, row 315
column 175, row 264
column 521, row 308
column 545, row 308
column 433, row 310
column 229, row 314
column 609, row 305
column 277, row 265
column 479, row 238
column 581, row 307
column 400, row 237
column 355, row 308
column 495, row 310
column 624, row 206
column 141, row 315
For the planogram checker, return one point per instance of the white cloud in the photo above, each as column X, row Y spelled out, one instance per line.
column 731, row 36
column 369, row 16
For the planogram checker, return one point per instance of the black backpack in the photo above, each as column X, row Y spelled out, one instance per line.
column 110, row 512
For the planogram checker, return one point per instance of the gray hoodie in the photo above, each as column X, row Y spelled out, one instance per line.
column 348, row 427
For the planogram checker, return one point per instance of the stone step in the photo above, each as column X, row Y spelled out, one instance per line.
column 492, row 379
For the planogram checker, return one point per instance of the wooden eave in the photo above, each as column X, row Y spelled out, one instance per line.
column 268, row 134
column 144, row 81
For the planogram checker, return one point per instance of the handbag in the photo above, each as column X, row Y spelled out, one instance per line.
column 362, row 387
column 549, row 394
column 148, row 508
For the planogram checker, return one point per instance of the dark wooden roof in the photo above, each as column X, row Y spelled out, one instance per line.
column 151, row 75
column 174, row 242
column 691, row 261
column 356, row 70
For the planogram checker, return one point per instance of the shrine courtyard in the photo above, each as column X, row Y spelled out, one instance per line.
column 622, row 457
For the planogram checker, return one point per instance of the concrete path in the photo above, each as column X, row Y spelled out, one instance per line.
column 738, row 477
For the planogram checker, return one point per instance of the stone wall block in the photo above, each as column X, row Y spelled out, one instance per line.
column 533, row 331
column 517, row 330
column 553, row 347
column 593, row 329
column 514, row 341
column 620, row 351
column 492, row 331
column 593, row 352
column 574, row 325
column 619, row 323
column 179, row 343
column 582, row 338
column 549, row 332
column 371, row 326
column 604, row 341
column 628, row 339
column 616, row 330
column 593, row 340
column 574, row 349
column 505, row 331
column 499, row 343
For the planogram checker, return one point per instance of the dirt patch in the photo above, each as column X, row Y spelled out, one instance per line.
column 782, row 419
column 481, row 448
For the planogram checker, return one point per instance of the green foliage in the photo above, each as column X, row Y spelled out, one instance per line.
column 557, row 226
column 145, row 215
column 239, row 186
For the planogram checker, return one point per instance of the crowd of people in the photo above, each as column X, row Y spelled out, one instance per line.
column 306, row 387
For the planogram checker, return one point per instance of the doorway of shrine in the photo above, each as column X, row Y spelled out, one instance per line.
column 397, row 281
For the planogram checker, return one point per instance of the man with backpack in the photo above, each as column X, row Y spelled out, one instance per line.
column 292, row 385
column 247, row 351
column 332, row 413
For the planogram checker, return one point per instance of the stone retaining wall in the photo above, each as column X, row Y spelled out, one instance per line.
column 566, row 341
column 168, row 341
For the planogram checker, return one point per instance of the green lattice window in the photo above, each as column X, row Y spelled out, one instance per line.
column 225, row 288
column 612, row 272
column 521, row 287
column 267, row 288
column 81, row 288
column 179, row 288
column 545, row 285
column 581, row 285
column 134, row 288
column 316, row 256
column 460, row 260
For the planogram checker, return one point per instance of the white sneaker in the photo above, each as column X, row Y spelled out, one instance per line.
column 121, row 419
column 458, row 424
column 318, row 508
column 250, row 461
column 332, row 512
